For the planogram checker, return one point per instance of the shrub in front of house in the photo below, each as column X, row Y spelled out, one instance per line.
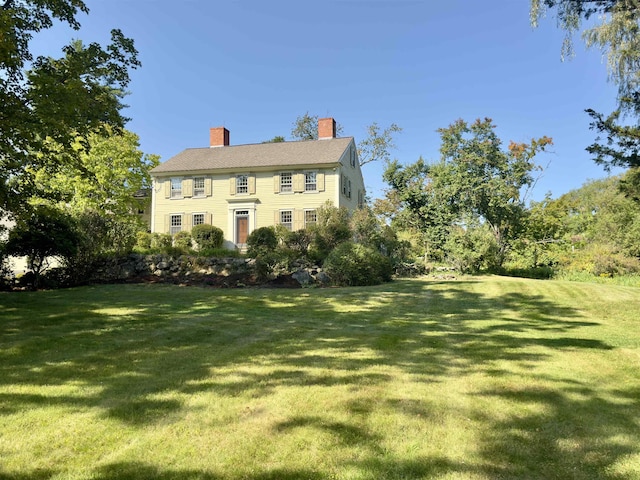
column 331, row 229
column 207, row 237
column 161, row 241
column 270, row 265
column 143, row 240
column 298, row 241
column 261, row 241
column 351, row 264
column 182, row 241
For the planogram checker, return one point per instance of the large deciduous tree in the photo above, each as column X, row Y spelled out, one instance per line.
column 425, row 203
column 476, row 180
column 49, row 105
column 110, row 171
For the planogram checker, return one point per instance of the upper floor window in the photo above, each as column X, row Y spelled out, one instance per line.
column 198, row 187
column 286, row 182
column 175, row 224
column 353, row 157
column 242, row 184
column 286, row 219
column 310, row 182
column 176, row 187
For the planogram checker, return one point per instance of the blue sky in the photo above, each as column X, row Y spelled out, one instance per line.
column 254, row 66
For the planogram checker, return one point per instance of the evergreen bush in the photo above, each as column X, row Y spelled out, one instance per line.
column 207, row 236
column 261, row 241
column 351, row 264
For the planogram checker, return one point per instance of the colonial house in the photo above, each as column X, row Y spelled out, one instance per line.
column 243, row 187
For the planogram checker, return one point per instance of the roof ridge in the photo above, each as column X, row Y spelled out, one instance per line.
column 289, row 142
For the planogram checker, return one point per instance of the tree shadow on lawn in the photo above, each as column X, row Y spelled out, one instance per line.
column 579, row 436
column 375, row 468
column 379, row 468
column 430, row 330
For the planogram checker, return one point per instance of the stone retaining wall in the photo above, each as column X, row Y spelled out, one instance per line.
column 211, row 270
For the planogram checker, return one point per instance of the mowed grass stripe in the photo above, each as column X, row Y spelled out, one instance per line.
column 478, row 378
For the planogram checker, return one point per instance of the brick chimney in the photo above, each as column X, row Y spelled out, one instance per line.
column 218, row 137
column 326, row 128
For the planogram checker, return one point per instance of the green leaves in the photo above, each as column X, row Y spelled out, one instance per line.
column 377, row 144
column 109, row 171
column 19, row 20
column 58, row 103
column 475, row 181
column 617, row 35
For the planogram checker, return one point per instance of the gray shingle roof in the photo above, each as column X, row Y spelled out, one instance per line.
column 259, row 155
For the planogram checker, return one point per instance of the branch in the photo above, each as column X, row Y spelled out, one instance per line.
column 377, row 145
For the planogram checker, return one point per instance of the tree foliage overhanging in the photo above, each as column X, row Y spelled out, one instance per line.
column 49, row 105
column 475, row 181
column 617, row 35
column 376, row 146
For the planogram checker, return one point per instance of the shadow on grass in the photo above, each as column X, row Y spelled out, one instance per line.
column 126, row 348
column 342, row 432
column 38, row 474
column 428, row 468
column 574, row 436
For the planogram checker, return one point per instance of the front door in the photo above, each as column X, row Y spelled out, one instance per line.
column 242, row 229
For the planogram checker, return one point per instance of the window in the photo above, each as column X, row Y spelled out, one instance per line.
column 198, row 187
column 176, row 187
column 310, row 182
column 176, row 224
column 353, row 158
column 346, row 186
column 286, row 219
column 286, row 182
column 198, row 219
column 310, row 218
column 242, row 184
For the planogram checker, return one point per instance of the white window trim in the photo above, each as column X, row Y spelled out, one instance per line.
column 246, row 185
column 204, row 218
column 316, row 181
column 290, row 185
column 203, row 194
column 314, row 210
column 231, row 218
column 171, row 226
column 291, row 213
column 171, row 195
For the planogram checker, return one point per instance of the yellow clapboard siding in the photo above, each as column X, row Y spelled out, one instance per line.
column 220, row 204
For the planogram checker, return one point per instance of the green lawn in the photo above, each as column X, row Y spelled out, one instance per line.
column 479, row 378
